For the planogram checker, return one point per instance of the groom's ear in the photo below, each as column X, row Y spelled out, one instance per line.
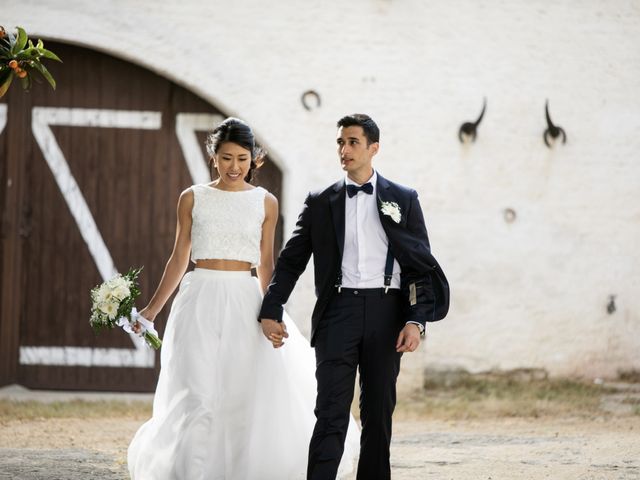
column 374, row 147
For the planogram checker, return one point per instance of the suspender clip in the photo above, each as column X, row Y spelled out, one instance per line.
column 388, row 270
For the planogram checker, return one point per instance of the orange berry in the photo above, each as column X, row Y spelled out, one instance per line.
column 13, row 64
column 22, row 74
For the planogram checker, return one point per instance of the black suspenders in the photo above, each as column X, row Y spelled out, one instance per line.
column 388, row 272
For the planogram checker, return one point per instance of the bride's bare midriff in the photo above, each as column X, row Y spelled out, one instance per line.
column 228, row 265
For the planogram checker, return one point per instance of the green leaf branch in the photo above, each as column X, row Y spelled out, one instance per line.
column 20, row 58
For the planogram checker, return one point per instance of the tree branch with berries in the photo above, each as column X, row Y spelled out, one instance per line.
column 19, row 57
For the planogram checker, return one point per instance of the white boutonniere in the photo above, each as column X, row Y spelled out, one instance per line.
column 391, row 209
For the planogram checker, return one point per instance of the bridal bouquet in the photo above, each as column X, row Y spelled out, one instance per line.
column 112, row 305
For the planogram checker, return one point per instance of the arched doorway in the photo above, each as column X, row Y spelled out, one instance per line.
column 89, row 182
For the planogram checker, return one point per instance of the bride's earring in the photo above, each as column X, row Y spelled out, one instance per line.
column 213, row 166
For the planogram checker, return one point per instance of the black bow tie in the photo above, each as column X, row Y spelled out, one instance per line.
column 354, row 189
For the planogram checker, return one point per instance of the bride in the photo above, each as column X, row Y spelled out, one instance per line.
column 227, row 405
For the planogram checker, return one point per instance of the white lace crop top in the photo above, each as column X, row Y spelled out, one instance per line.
column 227, row 225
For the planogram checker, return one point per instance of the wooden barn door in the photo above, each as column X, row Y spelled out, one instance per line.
column 90, row 178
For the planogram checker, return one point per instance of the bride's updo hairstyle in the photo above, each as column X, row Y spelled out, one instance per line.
column 235, row 131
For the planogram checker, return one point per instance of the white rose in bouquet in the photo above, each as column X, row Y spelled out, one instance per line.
column 121, row 292
column 102, row 294
column 110, row 309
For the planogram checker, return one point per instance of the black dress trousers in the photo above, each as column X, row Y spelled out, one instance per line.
column 359, row 329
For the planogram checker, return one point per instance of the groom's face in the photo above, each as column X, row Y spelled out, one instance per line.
column 354, row 153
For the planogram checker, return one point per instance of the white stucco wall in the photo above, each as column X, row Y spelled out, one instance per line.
column 531, row 293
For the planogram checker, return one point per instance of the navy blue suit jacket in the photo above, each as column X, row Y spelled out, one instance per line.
column 320, row 231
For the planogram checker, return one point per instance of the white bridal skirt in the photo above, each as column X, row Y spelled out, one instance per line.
column 228, row 405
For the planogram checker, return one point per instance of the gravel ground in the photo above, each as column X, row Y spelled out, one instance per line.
column 602, row 446
column 63, row 463
column 544, row 448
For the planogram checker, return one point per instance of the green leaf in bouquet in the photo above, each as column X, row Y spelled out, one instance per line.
column 20, row 42
column 49, row 54
column 29, row 54
column 40, row 43
column 45, row 73
column 133, row 273
column 5, row 82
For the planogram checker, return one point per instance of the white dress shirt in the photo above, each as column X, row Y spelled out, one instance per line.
column 365, row 243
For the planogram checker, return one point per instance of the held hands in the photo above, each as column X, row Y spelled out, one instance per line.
column 275, row 331
column 409, row 338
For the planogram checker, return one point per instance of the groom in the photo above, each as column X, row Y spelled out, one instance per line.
column 377, row 284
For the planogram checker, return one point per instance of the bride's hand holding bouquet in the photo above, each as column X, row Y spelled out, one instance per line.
column 112, row 304
column 147, row 315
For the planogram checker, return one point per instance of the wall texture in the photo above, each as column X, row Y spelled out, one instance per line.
column 530, row 293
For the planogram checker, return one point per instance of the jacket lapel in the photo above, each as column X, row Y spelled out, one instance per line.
column 336, row 203
column 383, row 194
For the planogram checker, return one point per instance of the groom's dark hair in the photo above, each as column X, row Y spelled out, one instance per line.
column 369, row 127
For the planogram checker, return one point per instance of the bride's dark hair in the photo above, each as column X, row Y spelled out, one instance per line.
column 236, row 131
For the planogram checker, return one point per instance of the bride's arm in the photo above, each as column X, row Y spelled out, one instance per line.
column 265, row 269
column 178, row 261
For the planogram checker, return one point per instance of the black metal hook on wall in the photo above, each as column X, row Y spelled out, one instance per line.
column 305, row 99
column 611, row 306
column 552, row 130
column 469, row 130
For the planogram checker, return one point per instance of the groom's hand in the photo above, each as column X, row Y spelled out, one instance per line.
column 274, row 331
column 409, row 338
